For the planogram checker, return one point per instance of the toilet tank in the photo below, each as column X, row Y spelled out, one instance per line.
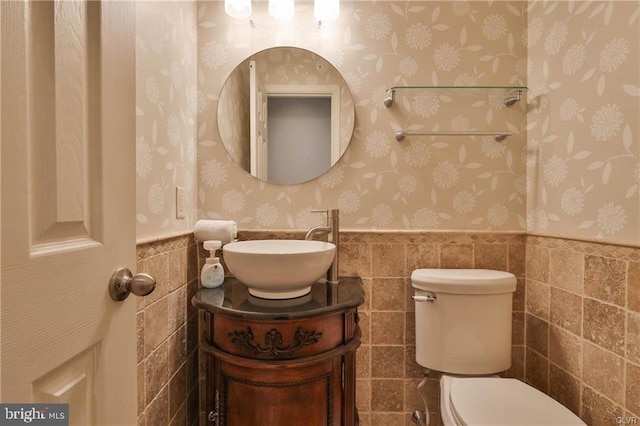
column 467, row 328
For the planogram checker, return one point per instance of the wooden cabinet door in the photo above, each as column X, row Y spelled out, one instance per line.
column 279, row 394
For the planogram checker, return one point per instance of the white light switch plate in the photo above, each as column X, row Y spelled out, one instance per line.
column 180, row 202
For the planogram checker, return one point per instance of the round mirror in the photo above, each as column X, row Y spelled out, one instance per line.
column 285, row 115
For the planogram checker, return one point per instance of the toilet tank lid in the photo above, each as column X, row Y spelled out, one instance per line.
column 464, row 281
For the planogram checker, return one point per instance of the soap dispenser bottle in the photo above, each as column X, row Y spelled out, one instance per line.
column 212, row 274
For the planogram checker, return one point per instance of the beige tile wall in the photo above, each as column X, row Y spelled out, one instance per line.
column 583, row 326
column 387, row 374
column 167, row 334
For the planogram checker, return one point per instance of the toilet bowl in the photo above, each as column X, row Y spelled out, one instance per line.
column 499, row 401
column 463, row 329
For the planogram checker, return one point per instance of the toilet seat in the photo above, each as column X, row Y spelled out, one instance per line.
column 496, row 401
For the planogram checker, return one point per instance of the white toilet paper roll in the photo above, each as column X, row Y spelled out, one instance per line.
column 222, row 230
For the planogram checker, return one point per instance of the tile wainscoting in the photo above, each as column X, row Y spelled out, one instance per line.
column 167, row 330
column 583, row 326
column 576, row 325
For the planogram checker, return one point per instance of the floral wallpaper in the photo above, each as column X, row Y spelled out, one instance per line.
column 570, row 166
column 423, row 182
column 583, row 145
column 166, row 110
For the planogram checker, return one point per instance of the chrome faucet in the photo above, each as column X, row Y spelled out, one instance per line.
column 332, row 230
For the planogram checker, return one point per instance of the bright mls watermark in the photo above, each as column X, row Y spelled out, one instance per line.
column 34, row 414
column 630, row 420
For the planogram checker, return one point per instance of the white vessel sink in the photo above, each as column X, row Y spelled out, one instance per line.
column 278, row 269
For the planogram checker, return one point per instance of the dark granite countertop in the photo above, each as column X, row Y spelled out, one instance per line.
column 233, row 299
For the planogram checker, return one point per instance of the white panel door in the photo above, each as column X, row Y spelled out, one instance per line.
column 68, row 206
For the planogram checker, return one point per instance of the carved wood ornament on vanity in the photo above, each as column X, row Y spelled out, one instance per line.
column 274, row 341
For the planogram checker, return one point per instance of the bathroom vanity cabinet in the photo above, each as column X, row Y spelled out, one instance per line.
column 280, row 362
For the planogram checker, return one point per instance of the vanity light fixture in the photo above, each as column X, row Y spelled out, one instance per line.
column 281, row 9
column 323, row 10
column 238, row 8
column 326, row 10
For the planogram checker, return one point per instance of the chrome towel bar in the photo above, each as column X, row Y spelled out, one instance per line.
column 497, row 136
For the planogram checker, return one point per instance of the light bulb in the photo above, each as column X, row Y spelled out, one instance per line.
column 238, row 8
column 326, row 10
column 281, row 9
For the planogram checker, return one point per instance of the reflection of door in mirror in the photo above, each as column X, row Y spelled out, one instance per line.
column 299, row 131
column 302, row 133
column 258, row 145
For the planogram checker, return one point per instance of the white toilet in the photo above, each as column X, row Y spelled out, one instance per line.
column 463, row 329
